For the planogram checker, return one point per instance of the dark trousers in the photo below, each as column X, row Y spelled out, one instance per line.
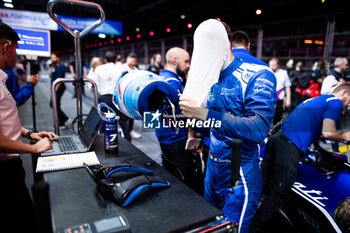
column 179, row 162
column 278, row 112
column 15, row 203
column 296, row 99
column 205, row 152
column 82, row 91
column 335, row 145
column 279, row 171
column 123, row 120
column 62, row 117
column 131, row 124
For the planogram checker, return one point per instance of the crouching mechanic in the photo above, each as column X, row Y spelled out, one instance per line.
column 309, row 120
column 243, row 100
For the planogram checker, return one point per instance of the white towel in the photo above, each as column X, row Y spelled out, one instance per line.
column 211, row 54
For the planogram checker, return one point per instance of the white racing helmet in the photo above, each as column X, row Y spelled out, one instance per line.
column 142, row 91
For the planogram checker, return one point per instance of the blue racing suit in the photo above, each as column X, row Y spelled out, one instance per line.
column 168, row 135
column 243, row 100
column 245, row 55
column 176, row 159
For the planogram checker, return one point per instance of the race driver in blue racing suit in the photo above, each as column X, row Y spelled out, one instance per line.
column 243, row 100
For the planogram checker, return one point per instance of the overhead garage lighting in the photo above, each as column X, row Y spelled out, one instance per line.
column 182, row 16
column 8, row 5
column 137, row 29
column 258, row 12
column 101, row 35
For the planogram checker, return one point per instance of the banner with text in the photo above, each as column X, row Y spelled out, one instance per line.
column 40, row 20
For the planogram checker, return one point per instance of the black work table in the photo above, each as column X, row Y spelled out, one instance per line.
column 75, row 200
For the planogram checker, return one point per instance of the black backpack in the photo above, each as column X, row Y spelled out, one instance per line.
column 304, row 80
column 294, row 76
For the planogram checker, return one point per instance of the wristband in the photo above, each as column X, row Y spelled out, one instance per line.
column 29, row 133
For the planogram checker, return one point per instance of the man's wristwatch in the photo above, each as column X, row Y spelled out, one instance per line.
column 29, row 133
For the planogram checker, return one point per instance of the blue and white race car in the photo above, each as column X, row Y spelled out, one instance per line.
column 323, row 182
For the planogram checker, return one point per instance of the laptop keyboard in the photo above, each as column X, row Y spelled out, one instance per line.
column 67, row 144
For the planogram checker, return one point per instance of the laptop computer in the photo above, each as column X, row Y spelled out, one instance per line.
column 78, row 143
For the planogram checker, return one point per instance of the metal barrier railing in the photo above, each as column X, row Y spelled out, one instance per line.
column 78, row 81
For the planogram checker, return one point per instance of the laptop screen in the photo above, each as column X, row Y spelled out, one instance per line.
column 90, row 127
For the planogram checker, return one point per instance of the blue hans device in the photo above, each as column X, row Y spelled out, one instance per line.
column 142, row 91
column 124, row 191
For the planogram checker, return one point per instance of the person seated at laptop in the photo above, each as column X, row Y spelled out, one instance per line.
column 15, row 201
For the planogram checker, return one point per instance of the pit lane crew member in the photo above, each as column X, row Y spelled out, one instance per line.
column 243, row 100
column 311, row 119
column 241, row 48
column 176, row 159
